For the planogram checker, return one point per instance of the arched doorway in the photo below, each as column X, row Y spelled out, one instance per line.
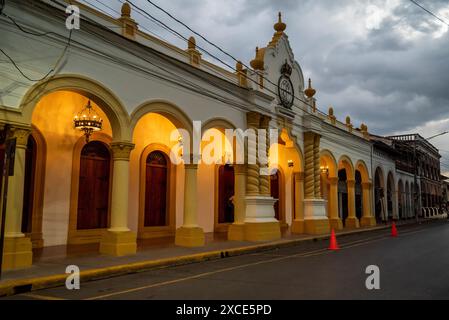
column 156, row 190
column 358, row 195
column 343, row 196
column 226, row 193
column 94, row 186
column 401, row 200
column 379, row 195
column 275, row 181
column 347, row 182
column 407, row 201
column 33, row 187
column 329, row 187
column 391, row 197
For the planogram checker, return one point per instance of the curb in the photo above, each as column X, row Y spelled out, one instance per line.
column 13, row 287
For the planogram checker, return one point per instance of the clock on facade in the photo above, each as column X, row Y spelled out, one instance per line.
column 285, row 87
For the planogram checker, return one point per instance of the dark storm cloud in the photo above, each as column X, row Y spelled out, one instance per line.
column 384, row 62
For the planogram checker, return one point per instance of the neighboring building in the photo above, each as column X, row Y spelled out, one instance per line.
column 445, row 192
column 126, row 184
column 419, row 157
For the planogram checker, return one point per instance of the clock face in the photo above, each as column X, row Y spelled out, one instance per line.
column 286, row 92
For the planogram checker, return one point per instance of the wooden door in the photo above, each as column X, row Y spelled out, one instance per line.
column 93, row 194
column 156, row 188
column 274, row 192
column 225, row 194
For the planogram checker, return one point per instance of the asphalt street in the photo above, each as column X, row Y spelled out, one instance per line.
column 414, row 265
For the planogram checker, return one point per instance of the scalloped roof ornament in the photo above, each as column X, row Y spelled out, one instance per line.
column 279, row 27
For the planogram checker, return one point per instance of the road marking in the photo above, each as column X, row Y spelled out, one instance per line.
column 41, row 297
column 200, row 275
column 204, row 274
column 279, row 258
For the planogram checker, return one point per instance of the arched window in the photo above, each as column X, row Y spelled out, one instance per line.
column 93, row 192
column 156, row 188
column 225, row 194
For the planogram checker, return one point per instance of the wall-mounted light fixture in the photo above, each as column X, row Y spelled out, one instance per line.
column 290, row 163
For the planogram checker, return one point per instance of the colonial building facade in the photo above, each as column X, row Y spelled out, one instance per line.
column 123, row 184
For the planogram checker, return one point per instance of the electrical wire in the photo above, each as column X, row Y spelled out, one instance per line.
column 199, row 89
column 429, row 12
column 216, row 46
column 216, row 58
column 44, row 34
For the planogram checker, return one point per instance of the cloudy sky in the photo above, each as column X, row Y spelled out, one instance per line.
column 383, row 62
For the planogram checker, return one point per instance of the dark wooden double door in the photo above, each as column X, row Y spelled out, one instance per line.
column 226, row 189
column 94, row 186
column 156, row 190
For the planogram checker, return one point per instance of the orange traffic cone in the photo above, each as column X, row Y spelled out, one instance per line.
column 333, row 245
column 394, row 231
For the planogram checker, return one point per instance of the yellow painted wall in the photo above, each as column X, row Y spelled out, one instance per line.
column 152, row 128
column 53, row 116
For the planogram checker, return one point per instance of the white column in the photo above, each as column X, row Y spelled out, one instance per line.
column 119, row 240
column 190, row 234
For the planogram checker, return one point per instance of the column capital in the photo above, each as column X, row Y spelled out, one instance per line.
column 239, row 168
column 309, row 135
column 20, row 133
column 367, row 185
column 350, row 183
column 121, row 150
column 265, row 121
column 191, row 166
column 299, row 176
column 253, row 119
column 333, row 180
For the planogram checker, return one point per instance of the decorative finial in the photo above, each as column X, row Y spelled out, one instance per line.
column 363, row 128
column 257, row 62
column 191, row 44
column 126, row 10
column 280, row 26
column 348, row 120
column 239, row 66
column 310, row 92
column 331, row 115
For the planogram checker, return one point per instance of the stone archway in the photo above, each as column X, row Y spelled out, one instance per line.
column 368, row 217
column 379, row 195
column 346, row 174
column 329, row 187
column 392, row 197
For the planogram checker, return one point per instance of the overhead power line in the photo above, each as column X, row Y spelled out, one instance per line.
column 149, row 16
column 164, row 25
column 429, row 12
column 43, row 34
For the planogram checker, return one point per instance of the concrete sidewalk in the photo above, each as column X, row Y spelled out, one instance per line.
column 50, row 272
